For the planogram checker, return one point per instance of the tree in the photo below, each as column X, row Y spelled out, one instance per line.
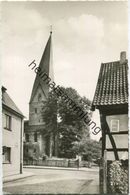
column 49, row 113
column 70, row 127
column 89, row 149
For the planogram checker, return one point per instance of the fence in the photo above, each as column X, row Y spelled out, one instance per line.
column 57, row 163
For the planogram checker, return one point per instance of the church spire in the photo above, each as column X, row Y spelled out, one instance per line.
column 50, row 29
column 45, row 66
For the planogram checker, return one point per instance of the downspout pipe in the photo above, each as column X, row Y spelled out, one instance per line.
column 21, row 147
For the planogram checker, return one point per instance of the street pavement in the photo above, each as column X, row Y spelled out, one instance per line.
column 55, row 181
column 17, row 177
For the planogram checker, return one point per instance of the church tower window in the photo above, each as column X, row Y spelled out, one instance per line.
column 39, row 97
column 35, row 110
column 35, row 137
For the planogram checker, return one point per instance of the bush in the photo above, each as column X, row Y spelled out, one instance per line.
column 118, row 178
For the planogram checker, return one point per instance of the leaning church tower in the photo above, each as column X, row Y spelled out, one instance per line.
column 36, row 143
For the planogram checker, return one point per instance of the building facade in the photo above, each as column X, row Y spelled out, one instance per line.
column 111, row 99
column 12, row 138
column 36, row 142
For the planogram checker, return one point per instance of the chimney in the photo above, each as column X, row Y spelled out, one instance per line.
column 3, row 89
column 122, row 57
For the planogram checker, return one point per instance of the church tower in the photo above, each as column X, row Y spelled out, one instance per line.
column 40, row 88
column 36, row 142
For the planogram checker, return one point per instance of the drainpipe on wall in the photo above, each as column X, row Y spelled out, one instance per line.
column 21, row 149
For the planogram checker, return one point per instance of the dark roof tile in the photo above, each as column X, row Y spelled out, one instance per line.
column 112, row 85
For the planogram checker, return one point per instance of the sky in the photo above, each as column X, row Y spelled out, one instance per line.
column 85, row 34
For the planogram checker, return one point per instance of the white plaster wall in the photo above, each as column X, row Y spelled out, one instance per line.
column 120, row 140
column 122, row 155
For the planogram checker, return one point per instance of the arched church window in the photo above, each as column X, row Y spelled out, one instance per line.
column 39, row 97
column 35, row 137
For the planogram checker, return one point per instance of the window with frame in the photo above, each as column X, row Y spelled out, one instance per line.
column 7, row 124
column 27, row 137
column 6, row 154
column 114, row 125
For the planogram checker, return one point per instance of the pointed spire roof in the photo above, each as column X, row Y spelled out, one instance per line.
column 45, row 68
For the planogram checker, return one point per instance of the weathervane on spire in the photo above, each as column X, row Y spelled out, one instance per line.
column 50, row 29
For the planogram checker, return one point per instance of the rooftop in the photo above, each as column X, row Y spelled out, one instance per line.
column 112, row 85
column 7, row 101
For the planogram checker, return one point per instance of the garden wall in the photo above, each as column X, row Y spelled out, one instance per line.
column 57, row 163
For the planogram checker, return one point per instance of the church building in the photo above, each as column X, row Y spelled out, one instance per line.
column 36, row 142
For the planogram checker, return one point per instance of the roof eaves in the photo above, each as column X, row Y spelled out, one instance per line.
column 12, row 110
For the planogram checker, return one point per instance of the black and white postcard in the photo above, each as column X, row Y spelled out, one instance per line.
column 64, row 97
